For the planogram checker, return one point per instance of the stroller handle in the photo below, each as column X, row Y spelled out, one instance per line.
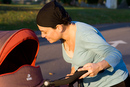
column 71, row 80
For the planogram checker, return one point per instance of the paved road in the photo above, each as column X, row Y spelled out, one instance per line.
column 50, row 55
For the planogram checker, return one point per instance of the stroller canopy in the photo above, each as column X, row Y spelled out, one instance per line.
column 17, row 48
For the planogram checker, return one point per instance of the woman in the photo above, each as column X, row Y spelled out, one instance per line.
column 83, row 45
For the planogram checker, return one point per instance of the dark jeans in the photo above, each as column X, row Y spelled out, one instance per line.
column 125, row 83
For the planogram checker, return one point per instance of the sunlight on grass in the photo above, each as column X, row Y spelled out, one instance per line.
column 24, row 16
column 99, row 16
column 16, row 20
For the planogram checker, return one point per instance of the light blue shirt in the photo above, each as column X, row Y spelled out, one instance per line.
column 91, row 47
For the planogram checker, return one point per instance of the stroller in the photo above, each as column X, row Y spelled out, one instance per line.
column 18, row 52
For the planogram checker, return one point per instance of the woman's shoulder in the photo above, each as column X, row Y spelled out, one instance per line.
column 83, row 29
column 86, row 32
column 82, row 25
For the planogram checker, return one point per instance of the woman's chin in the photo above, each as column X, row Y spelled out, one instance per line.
column 51, row 41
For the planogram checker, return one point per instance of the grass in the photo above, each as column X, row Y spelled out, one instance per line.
column 14, row 17
column 100, row 16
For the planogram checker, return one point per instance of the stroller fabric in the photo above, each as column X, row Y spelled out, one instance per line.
column 18, row 52
column 25, row 76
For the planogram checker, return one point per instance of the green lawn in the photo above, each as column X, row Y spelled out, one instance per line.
column 14, row 17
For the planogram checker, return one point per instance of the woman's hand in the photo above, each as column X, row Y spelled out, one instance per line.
column 68, row 75
column 93, row 68
column 71, row 73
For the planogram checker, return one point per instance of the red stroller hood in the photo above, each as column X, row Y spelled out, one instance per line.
column 17, row 48
column 18, row 52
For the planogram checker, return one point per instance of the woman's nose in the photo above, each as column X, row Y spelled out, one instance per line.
column 42, row 35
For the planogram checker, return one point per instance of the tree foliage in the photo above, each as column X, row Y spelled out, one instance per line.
column 7, row 1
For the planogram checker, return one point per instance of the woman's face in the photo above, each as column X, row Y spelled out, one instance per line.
column 52, row 35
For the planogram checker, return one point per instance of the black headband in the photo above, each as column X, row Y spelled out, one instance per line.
column 51, row 14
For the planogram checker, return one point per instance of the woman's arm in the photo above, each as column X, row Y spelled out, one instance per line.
column 72, row 70
column 109, row 55
column 94, row 68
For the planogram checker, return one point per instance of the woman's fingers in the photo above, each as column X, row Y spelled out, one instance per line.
column 92, row 69
column 84, row 75
column 68, row 75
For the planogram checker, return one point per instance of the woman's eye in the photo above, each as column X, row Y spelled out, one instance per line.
column 45, row 32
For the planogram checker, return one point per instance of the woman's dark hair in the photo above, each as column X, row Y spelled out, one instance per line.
column 52, row 14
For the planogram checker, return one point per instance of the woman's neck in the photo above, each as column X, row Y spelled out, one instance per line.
column 69, row 32
column 69, row 37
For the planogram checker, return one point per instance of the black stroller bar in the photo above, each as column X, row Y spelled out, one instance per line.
column 71, row 80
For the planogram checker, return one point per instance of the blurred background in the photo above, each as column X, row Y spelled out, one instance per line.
column 17, row 14
column 112, row 17
column 85, row 3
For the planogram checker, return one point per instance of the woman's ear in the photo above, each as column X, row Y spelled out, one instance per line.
column 60, row 27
